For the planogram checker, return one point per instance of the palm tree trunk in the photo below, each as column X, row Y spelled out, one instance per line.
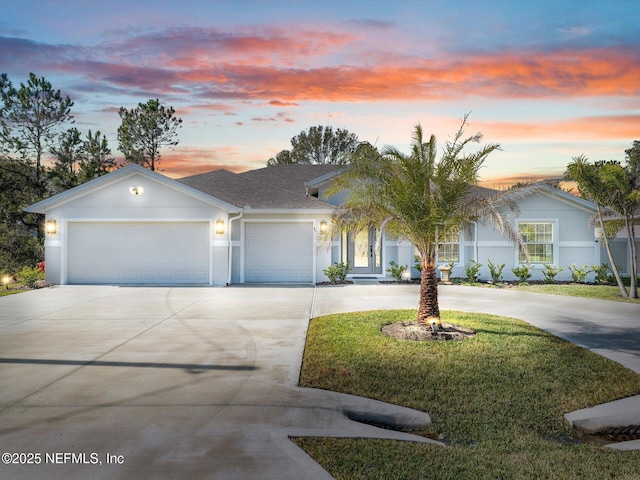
column 612, row 262
column 428, row 311
column 633, row 289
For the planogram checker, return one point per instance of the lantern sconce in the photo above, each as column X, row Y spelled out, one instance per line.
column 51, row 227
column 324, row 227
column 219, row 227
column 136, row 190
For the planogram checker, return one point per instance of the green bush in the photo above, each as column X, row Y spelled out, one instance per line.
column 496, row 271
column 337, row 272
column 396, row 271
column 29, row 276
column 417, row 263
column 523, row 272
column 550, row 272
column 604, row 275
column 579, row 275
column 472, row 270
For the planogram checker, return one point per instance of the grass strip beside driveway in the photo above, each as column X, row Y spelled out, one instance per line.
column 599, row 292
column 497, row 400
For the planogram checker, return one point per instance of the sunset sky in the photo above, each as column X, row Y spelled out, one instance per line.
column 548, row 80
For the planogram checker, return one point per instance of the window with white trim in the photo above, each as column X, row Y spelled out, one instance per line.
column 538, row 238
column 449, row 249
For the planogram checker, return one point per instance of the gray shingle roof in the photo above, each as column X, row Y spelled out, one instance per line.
column 289, row 177
column 277, row 187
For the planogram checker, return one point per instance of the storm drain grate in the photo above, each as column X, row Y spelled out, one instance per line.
column 621, row 434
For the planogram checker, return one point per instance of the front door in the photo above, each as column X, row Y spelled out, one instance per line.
column 361, row 252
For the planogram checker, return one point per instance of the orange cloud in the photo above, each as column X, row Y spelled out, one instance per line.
column 504, row 182
column 584, row 128
column 507, row 75
column 279, row 103
column 297, row 64
column 183, row 162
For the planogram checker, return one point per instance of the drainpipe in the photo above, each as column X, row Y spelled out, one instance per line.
column 230, row 250
column 475, row 240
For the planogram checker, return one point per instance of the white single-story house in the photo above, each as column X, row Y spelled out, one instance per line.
column 270, row 225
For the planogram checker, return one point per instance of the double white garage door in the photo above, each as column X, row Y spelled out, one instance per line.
column 138, row 253
column 179, row 253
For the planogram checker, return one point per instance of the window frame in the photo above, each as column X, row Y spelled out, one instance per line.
column 553, row 243
column 457, row 243
column 450, row 241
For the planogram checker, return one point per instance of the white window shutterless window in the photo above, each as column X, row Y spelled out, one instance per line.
column 449, row 249
column 538, row 239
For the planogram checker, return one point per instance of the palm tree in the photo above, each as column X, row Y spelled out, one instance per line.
column 624, row 200
column 421, row 199
column 592, row 185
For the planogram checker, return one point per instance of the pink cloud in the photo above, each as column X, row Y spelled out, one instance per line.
column 305, row 64
column 193, row 47
column 279, row 117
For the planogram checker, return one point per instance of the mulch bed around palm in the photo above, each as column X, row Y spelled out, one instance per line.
column 419, row 332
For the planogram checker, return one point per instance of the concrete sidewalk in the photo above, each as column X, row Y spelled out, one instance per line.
column 201, row 382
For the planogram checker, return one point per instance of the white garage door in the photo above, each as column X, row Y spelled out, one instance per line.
column 279, row 252
column 138, row 253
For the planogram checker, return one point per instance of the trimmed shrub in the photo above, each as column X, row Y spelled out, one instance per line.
column 337, row 273
column 29, row 276
column 604, row 275
column 472, row 270
column 396, row 271
column 523, row 272
column 496, row 271
column 579, row 275
column 550, row 272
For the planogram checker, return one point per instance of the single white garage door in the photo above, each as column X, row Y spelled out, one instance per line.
column 279, row 252
column 138, row 253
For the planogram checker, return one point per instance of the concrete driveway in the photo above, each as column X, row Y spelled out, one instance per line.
column 119, row 383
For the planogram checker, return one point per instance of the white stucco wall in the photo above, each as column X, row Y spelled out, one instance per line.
column 573, row 238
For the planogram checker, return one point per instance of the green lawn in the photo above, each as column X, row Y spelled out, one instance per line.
column 497, row 400
column 11, row 290
column 599, row 292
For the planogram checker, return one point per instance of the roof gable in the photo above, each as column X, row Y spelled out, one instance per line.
column 119, row 176
column 548, row 190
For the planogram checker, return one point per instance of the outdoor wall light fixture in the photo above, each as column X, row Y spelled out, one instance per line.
column 324, row 226
column 136, row 190
column 51, row 227
column 219, row 227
